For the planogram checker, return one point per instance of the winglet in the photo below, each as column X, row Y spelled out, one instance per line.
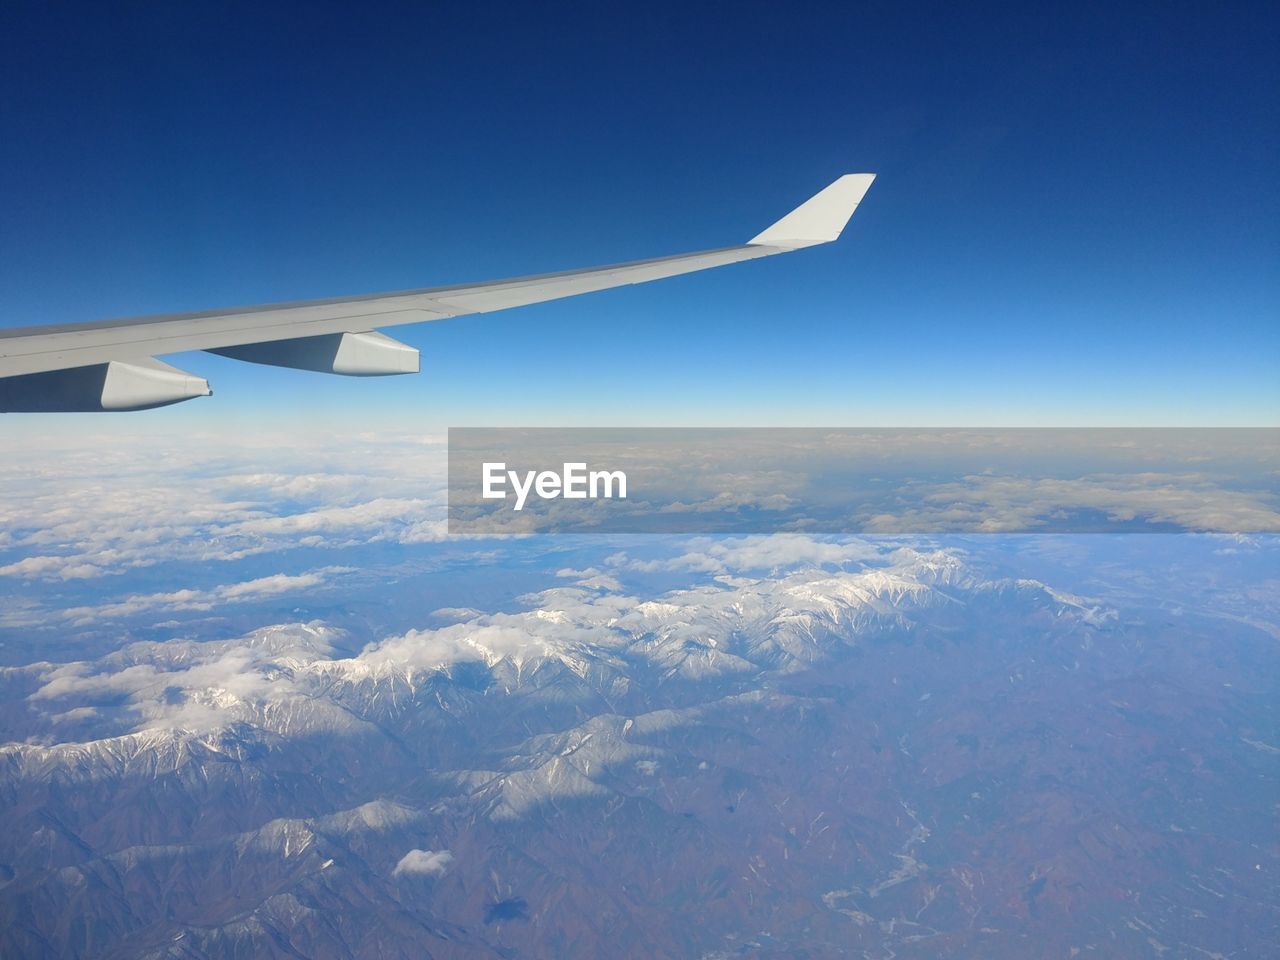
column 820, row 218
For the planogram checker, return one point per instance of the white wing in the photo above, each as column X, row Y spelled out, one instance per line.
column 110, row 365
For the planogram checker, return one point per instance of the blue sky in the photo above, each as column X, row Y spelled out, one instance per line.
column 1076, row 219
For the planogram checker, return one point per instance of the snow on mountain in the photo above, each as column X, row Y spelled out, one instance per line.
column 160, row 699
column 828, row 745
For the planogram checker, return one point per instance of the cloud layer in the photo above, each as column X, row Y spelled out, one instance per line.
column 118, row 508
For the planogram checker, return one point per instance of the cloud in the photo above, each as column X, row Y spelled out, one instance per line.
column 423, row 863
column 106, row 510
column 201, row 687
column 755, row 553
column 192, row 599
column 64, row 568
column 591, row 577
column 1007, row 503
column 368, row 518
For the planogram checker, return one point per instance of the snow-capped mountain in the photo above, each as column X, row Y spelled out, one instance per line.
column 836, row 739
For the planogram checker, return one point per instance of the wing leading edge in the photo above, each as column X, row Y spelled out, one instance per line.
column 109, row 365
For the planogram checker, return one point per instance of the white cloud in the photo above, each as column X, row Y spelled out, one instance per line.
column 65, row 568
column 202, row 687
column 772, row 552
column 591, row 577
column 107, row 510
column 423, row 863
column 1002, row 503
column 192, row 599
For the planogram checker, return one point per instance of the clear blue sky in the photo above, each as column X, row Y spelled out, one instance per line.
column 1076, row 218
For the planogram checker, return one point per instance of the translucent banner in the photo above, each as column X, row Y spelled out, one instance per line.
column 870, row 481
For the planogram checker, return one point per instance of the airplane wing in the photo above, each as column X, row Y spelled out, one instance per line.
column 111, row 365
